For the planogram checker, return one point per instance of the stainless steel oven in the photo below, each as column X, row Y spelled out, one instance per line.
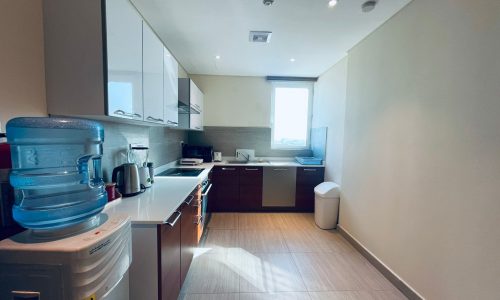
column 206, row 187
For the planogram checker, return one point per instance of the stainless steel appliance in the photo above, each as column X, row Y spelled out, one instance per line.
column 206, row 187
column 279, row 187
column 127, row 180
column 186, row 172
column 192, row 151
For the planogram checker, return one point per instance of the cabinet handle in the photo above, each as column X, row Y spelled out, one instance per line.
column 310, row 170
column 197, row 127
column 228, row 169
column 172, row 122
column 280, row 169
column 123, row 113
column 248, row 169
column 188, row 202
column 154, row 119
column 200, row 220
column 200, row 203
column 206, row 192
column 172, row 224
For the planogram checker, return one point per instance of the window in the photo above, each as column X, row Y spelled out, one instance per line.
column 291, row 115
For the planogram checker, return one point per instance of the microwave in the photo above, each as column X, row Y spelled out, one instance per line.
column 204, row 152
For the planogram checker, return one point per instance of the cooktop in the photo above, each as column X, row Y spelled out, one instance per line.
column 181, row 172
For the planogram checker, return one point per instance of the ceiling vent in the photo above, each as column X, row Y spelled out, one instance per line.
column 260, row 36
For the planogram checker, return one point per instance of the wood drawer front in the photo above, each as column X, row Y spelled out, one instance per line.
column 250, row 197
column 226, row 175
column 310, row 175
column 251, row 175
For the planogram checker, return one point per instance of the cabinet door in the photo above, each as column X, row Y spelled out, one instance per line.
column 227, row 198
column 170, row 258
column 307, row 179
column 124, row 60
column 250, row 188
column 152, row 72
column 188, row 234
column 196, row 104
column 170, row 89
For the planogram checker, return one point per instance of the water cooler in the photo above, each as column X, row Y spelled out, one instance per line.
column 71, row 249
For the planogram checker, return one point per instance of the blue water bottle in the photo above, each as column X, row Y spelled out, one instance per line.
column 56, row 171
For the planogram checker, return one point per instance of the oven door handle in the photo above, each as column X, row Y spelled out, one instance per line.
column 205, row 193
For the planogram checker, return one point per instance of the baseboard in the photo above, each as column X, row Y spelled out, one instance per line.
column 399, row 283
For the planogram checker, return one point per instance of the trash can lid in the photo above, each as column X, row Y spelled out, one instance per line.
column 327, row 190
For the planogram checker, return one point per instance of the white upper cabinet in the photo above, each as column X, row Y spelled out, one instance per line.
column 170, row 89
column 124, row 58
column 152, row 76
column 196, row 107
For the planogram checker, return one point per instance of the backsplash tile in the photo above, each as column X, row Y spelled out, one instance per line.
column 318, row 142
column 164, row 144
column 228, row 139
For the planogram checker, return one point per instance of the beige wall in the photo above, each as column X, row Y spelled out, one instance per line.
column 329, row 111
column 22, row 80
column 235, row 101
column 421, row 172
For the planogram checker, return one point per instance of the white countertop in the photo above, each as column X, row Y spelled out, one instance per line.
column 160, row 201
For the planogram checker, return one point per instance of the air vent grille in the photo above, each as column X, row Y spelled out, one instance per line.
column 260, row 36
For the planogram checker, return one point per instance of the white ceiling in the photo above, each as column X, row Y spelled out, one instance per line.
column 315, row 35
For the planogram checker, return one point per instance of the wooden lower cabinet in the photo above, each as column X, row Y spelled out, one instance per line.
column 238, row 189
column 307, row 179
column 189, row 233
column 169, row 280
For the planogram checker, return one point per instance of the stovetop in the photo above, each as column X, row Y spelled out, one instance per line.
column 189, row 172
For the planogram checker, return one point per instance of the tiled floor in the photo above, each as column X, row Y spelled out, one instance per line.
column 280, row 256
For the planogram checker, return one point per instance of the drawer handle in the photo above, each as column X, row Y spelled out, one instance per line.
column 188, row 202
column 310, row 170
column 172, row 224
column 123, row 113
column 249, row 169
column 172, row 122
column 205, row 193
column 280, row 169
column 200, row 220
column 228, row 169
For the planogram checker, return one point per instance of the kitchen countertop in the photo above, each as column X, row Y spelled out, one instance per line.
column 160, row 201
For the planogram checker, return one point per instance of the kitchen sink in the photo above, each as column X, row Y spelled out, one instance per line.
column 236, row 162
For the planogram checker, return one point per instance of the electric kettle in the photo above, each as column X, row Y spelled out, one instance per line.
column 128, row 180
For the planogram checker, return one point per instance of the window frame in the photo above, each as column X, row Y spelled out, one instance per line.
column 292, row 84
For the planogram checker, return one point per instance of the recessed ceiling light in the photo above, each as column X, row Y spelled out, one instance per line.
column 292, row 59
column 332, row 3
column 217, row 57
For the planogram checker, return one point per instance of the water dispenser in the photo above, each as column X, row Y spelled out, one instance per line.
column 56, row 171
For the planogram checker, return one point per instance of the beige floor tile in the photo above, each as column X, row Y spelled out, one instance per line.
column 294, row 221
column 388, row 295
column 366, row 272
column 326, row 272
column 220, row 240
column 223, row 221
column 315, row 240
column 275, row 296
column 342, row 295
column 259, row 221
column 262, row 240
column 357, row 295
column 214, row 273
column 230, row 296
column 269, row 272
